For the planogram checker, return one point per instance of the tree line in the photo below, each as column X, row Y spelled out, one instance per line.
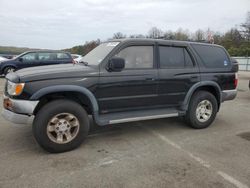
column 236, row 40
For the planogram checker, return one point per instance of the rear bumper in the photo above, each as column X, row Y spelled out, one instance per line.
column 229, row 95
column 17, row 118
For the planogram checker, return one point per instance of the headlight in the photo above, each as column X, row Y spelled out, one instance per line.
column 15, row 89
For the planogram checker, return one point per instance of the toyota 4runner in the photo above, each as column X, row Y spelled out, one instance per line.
column 121, row 81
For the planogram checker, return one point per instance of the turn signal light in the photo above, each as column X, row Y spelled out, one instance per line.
column 7, row 104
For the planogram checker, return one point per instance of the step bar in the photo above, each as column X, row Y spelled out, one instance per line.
column 124, row 120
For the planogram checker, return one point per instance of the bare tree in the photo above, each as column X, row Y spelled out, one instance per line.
column 232, row 38
column 155, row 33
column 137, row 36
column 199, row 35
column 119, row 35
column 181, row 34
column 246, row 27
column 218, row 37
column 169, row 35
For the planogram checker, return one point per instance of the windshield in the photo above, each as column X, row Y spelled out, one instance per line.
column 20, row 55
column 95, row 56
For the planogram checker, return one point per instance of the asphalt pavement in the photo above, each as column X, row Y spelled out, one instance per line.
column 154, row 153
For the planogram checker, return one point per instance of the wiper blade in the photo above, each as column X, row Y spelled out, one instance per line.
column 84, row 62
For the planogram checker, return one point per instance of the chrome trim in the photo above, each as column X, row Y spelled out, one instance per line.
column 142, row 118
column 23, row 106
column 17, row 118
column 126, row 97
column 229, row 94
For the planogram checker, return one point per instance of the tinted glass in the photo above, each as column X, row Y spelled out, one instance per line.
column 188, row 60
column 46, row 56
column 171, row 57
column 212, row 56
column 62, row 56
column 137, row 57
column 29, row 57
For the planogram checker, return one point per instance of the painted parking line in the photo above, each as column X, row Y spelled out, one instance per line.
column 199, row 160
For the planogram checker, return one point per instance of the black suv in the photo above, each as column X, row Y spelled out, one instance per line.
column 35, row 58
column 121, row 81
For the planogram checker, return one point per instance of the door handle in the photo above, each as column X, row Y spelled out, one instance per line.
column 150, row 79
column 194, row 77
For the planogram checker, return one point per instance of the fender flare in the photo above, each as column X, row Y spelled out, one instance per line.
column 67, row 88
column 8, row 65
column 195, row 87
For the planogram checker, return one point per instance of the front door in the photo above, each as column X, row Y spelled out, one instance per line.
column 28, row 60
column 135, row 87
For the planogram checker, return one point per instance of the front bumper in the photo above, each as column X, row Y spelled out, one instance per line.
column 17, row 118
column 19, row 111
column 229, row 94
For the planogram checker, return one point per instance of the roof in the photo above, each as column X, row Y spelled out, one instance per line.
column 48, row 51
column 159, row 40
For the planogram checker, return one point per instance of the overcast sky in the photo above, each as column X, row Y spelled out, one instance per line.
column 57, row 24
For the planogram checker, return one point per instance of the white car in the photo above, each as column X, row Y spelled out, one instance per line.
column 76, row 57
column 2, row 59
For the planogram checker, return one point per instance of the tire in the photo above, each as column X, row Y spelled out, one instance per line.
column 8, row 70
column 201, row 105
column 53, row 134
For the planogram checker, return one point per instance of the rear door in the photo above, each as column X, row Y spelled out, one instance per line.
column 46, row 58
column 177, row 73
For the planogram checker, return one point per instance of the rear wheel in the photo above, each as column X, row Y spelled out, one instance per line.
column 202, row 110
column 60, row 126
column 8, row 70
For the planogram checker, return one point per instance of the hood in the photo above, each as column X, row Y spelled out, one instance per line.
column 52, row 72
column 6, row 60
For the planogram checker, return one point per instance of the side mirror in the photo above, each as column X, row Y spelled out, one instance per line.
column 20, row 59
column 116, row 64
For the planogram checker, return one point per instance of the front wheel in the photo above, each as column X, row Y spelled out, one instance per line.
column 202, row 110
column 60, row 126
column 8, row 70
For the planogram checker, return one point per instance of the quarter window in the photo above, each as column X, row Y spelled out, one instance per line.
column 62, row 56
column 137, row 57
column 212, row 56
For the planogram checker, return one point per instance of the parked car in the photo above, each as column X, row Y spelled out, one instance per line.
column 8, row 56
column 35, row 58
column 76, row 57
column 2, row 59
column 121, row 81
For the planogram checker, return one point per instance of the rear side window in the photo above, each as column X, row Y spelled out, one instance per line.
column 212, row 56
column 174, row 57
column 46, row 56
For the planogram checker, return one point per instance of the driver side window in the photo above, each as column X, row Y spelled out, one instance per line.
column 137, row 57
column 29, row 57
